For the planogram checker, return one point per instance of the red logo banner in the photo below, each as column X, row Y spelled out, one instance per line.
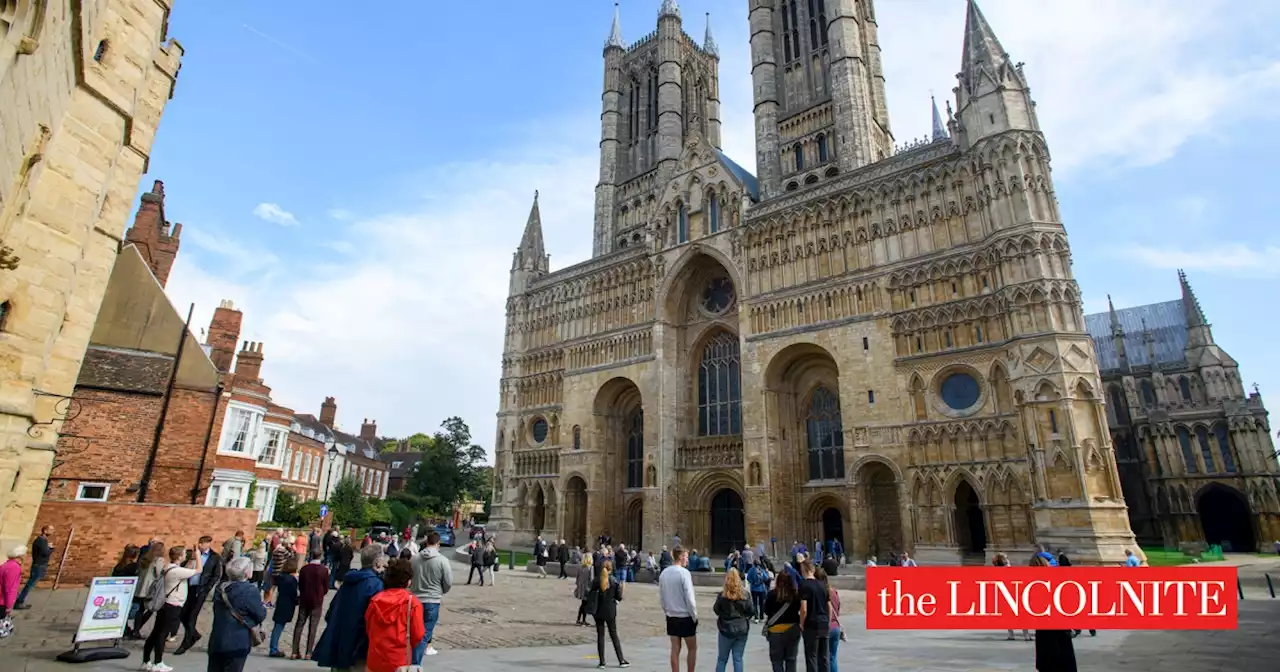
column 1051, row 598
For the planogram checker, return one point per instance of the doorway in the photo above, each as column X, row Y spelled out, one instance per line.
column 1226, row 519
column 971, row 527
column 833, row 526
column 728, row 524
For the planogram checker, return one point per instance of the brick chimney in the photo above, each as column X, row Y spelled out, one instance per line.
column 224, row 333
column 249, row 361
column 369, row 430
column 150, row 234
column 328, row 412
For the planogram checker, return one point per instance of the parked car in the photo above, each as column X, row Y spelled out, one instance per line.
column 380, row 528
column 446, row 535
column 477, row 530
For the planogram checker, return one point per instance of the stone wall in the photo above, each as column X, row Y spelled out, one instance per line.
column 82, row 88
column 99, row 532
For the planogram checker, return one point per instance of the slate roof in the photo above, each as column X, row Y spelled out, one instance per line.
column 308, row 421
column 365, row 449
column 1166, row 321
column 407, row 462
column 748, row 180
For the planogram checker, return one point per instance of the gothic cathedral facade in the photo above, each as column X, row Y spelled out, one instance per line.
column 877, row 343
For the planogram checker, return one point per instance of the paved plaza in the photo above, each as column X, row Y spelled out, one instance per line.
column 527, row 623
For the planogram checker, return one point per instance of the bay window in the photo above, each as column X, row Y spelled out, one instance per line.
column 240, row 430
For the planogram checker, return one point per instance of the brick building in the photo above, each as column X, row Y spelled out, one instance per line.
column 306, row 458
column 109, row 448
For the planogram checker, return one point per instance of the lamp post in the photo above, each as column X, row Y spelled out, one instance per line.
column 328, row 480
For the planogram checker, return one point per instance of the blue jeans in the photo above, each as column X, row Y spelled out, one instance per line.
column 275, row 637
column 730, row 646
column 834, row 646
column 37, row 573
column 430, row 616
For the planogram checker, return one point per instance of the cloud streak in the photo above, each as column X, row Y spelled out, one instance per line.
column 270, row 212
column 281, row 43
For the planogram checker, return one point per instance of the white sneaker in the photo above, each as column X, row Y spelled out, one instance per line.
column 148, row 667
column 161, row 667
column 431, row 651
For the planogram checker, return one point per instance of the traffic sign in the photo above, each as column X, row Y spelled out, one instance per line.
column 324, row 510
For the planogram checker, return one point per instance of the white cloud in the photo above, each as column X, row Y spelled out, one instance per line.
column 410, row 330
column 1117, row 84
column 1230, row 259
column 275, row 214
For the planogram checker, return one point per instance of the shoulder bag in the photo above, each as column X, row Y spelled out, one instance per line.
column 256, row 635
column 408, row 643
column 773, row 620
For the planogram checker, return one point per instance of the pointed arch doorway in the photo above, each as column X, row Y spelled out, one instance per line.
column 728, row 522
column 971, row 526
column 1226, row 518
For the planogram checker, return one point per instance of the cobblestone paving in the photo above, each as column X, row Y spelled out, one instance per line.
column 527, row 623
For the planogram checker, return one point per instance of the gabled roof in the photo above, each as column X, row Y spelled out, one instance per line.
column 1167, row 322
column 748, row 180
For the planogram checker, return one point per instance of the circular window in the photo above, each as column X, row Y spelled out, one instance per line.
column 959, row 391
column 539, row 430
column 718, row 296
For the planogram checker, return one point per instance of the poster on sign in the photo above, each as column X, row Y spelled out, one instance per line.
column 106, row 612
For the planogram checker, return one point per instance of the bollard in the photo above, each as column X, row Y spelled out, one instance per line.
column 511, row 560
column 1270, row 586
column 1240, row 588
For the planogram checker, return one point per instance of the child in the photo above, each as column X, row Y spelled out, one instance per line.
column 286, row 585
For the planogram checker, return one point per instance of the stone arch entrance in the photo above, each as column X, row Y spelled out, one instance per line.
column 617, row 417
column 539, row 513
column 832, row 525
column 881, row 509
column 970, row 524
column 633, row 530
column 575, row 511
column 1226, row 518
column 728, row 522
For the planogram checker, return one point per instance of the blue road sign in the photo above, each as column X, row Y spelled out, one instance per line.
column 324, row 510
column 773, row 540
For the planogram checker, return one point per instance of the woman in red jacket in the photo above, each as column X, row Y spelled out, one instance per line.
column 393, row 621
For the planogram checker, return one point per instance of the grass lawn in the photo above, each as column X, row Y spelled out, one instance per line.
column 1163, row 557
column 522, row 558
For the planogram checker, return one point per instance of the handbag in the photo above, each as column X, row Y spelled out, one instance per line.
column 256, row 634
column 408, row 643
column 6, row 626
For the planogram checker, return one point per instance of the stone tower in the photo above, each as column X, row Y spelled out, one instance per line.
column 81, row 95
column 658, row 91
column 820, row 105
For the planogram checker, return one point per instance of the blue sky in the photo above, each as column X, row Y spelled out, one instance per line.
column 357, row 181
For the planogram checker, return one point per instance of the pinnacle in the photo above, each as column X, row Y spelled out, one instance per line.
column 709, row 42
column 615, row 35
column 669, row 8
column 939, row 128
column 981, row 46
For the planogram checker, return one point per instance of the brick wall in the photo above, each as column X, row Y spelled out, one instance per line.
column 103, row 529
column 110, row 440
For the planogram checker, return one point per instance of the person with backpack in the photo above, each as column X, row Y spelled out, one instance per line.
column 602, row 604
column 758, row 579
column 733, row 610
column 166, row 597
column 149, row 569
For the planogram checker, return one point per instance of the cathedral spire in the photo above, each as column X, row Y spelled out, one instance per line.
column 615, row 35
column 939, row 128
column 981, row 46
column 1115, row 319
column 1198, row 332
column 532, row 255
column 669, row 7
column 709, row 42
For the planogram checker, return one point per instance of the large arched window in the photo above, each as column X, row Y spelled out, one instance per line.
column 682, row 225
column 1224, row 447
column 1206, row 451
column 826, row 436
column 1188, row 455
column 720, row 387
column 635, row 450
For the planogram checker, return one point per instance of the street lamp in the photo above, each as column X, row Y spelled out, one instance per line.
column 328, row 481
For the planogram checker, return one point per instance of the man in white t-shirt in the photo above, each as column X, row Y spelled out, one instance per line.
column 679, row 604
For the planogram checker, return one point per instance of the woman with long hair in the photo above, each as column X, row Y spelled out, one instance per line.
column 835, row 635
column 1054, row 649
column 1002, row 560
column 583, row 588
column 733, row 610
column 149, row 568
column 181, row 566
column 782, row 623
column 127, row 565
column 607, row 594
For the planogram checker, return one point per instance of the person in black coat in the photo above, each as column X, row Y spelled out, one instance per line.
column 237, row 607
column 562, row 557
column 198, row 592
column 605, row 602
column 286, row 604
column 1054, row 650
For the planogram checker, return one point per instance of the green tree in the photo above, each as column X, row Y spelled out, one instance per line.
column 346, row 503
column 307, row 513
column 287, row 509
column 253, row 493
column 450, row 466
column 377, row 511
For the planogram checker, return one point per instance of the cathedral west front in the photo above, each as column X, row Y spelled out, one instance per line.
column 866, row 341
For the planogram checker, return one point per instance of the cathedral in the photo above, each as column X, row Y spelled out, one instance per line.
column 1196, row 460
column 869, row 341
